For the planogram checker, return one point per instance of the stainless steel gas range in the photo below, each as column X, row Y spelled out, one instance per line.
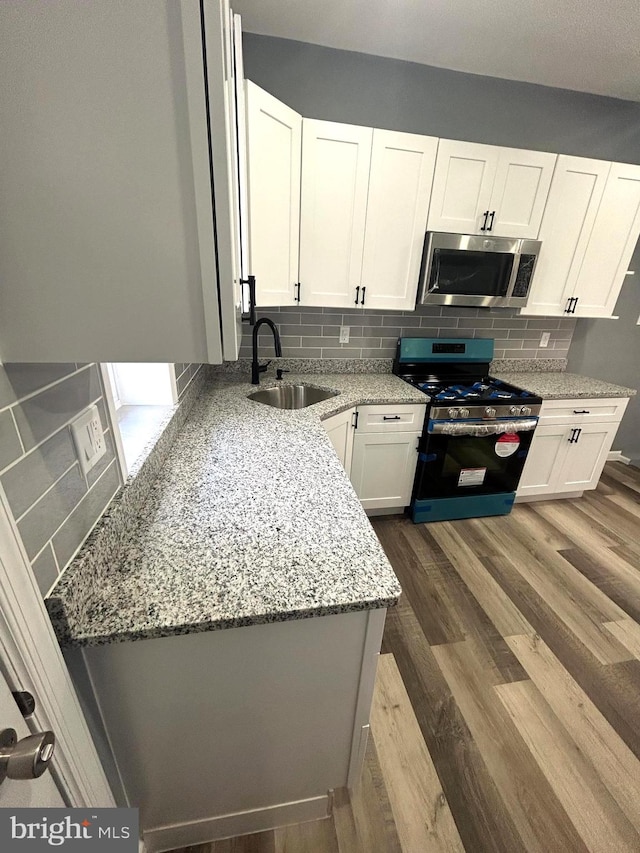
column 477, row 429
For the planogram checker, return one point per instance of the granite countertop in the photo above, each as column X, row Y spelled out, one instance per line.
column 251, row 519
column 559, row 386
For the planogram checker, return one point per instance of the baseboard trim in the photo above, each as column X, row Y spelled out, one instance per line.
column 178, row 835
column 526, row 499
column 616, row 456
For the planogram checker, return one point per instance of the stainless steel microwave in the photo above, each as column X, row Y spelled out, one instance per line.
column 467, row 269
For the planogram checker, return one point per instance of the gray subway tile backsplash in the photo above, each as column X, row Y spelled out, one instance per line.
column 45, row 569
column 317, row 331
column 41, row 415
column 88, row 510
column 42, row 480
column 43, row 519
column 10, row 447
column 28, row 479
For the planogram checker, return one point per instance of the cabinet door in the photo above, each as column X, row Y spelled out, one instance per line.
column 339, row 428
column 613, row 238
column 586, row 457
column 335, row 181
column 107, row 240
column 520, row 192
column 400, row 180
column 274, row 133
column 383, row 468
column 546, row 455
column 462, row 186
column 576, row 192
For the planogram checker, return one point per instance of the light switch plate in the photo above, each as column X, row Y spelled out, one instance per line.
column 344, row 334
column 88, row 438
column 544, row 339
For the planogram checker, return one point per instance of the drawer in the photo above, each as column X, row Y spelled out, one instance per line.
column 389, row 418
column 583, row 411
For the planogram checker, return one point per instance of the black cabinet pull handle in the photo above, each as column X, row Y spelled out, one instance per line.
column 578, row 434
column 363, row 292
column 355, row 414
column 297, row 298
column 567, row 310
column 357, row 294
column 575, row 435
column 571, row 307
column 250, row 281
column 484, row 224
column 575, row 304
column 391, row 418
column 492, row 214
column 581, row 412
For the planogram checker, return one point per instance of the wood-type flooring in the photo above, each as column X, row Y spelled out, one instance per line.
column 506, row 716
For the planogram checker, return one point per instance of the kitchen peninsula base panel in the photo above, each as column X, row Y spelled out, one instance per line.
column 240, row 730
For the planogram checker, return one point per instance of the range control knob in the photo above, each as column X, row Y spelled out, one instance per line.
column 490, row 412
column 453, row 413
column 464, row 413
column 525, row 410
column 514, row 410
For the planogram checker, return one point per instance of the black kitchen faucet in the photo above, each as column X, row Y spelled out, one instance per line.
column 256, row 367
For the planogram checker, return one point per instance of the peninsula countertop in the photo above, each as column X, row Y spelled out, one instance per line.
column 251, row 519
column 563, row 386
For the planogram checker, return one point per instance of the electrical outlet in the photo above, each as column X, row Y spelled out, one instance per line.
column 88, row 438
column 544, row 339
column 344, row 334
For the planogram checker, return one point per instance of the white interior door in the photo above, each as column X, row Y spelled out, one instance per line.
column 400, row 181
column 274, row 152
column 31, row 793
column 520, row 192
column 335, row 180
column 462, row 185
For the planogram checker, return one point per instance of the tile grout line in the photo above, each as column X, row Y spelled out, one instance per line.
column 46, row 492
column 15, row 423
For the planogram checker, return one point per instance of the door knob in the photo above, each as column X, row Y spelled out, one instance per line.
column 26, row 758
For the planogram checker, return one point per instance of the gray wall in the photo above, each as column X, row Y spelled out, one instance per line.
column 53, row 504
column 356, row 88
column 610, row 349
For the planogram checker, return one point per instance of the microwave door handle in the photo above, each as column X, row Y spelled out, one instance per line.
column 513, row 276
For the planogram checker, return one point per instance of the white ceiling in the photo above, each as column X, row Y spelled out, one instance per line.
column 586, row 45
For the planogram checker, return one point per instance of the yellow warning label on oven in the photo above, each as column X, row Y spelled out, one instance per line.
column 471, row 476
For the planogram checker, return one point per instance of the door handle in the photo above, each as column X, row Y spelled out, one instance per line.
column 26, row 758
column 581, row 412
column 492, row 214
column 357, row 294
column 484, row 224
column 391, row 418
column 575, row 435
column 297, row 286
column 363, row 292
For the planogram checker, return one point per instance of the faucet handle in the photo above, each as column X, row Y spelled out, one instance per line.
column 280, row 371
column 263, row 367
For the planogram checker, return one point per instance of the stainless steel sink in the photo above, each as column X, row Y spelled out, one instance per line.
column 292, row 396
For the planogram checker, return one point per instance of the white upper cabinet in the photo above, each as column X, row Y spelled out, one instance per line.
column 589, row 231
column 400, row 178
column 576, row 192
column 613, row 238
column 488, row 189
column 107, row 235
column 462, row 184
column 274, row 134
column 335, row 181
column 520, row 192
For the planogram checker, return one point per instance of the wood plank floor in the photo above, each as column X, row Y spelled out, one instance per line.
column 506, row 715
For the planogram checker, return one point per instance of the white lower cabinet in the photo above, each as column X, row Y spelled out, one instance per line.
column 378, row 445
column 339, row 428
column 569, row 456
column 383, row 467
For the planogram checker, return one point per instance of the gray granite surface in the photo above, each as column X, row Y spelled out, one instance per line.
column 521, row 365
column 560, row 386
column 251, row 519
column 310, row 365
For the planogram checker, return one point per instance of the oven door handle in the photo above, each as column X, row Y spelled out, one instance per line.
column 492, row 428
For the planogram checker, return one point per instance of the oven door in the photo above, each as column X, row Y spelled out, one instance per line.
column 467, row 458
